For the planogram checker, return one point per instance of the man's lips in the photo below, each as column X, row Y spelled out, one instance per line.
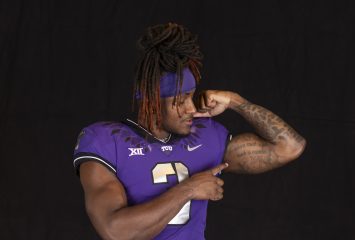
column 188, row 121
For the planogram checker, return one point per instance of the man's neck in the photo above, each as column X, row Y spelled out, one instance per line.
column 161, row 134
column 158, row 133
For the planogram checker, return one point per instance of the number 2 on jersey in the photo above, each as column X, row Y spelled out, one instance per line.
column 160, row 173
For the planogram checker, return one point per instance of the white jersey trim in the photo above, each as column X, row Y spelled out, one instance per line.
column 96, row 158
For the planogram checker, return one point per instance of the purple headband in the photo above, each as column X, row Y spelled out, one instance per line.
column 168, row 83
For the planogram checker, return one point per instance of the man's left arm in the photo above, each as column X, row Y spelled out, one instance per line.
column 275, row 144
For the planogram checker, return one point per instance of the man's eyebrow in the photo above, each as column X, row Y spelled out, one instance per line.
column 188, row 94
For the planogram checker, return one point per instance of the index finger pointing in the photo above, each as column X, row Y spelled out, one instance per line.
column 219, row 168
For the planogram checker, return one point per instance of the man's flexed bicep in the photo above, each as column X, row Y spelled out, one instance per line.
column 249, row 153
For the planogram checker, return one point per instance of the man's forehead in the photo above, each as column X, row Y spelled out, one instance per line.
column 183, row 95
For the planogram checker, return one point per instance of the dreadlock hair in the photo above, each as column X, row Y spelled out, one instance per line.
column 163, row 48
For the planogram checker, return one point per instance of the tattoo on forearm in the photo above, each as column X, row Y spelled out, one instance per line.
column 268, row 125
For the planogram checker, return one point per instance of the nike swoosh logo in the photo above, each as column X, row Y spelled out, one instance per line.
column 193, row 148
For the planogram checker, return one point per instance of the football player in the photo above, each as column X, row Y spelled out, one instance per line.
column 152, row 177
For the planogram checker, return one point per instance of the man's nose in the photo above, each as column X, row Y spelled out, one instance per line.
column 190, row 107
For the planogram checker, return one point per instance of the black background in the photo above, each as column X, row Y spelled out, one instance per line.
column 65, row 64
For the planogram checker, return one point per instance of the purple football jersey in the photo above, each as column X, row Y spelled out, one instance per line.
column 147, row 167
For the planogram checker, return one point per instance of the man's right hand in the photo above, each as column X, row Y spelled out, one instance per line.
column 205, row 185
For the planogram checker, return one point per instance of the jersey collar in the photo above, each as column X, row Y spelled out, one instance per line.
column 144, row 132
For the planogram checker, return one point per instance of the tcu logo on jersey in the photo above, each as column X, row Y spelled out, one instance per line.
column 135, row 151
column 166, row 148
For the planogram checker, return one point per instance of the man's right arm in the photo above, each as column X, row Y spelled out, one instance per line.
column 106, row 202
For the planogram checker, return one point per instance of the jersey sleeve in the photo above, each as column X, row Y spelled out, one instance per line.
column 223, row 137
column 95, row 143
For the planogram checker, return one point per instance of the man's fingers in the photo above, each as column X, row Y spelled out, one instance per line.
column 219, row 168
column 220, row 182
column 202, row 110
column 203, row 104
column 206, row 102
column 218, row 197
column 212, row 104
column 202, row 114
